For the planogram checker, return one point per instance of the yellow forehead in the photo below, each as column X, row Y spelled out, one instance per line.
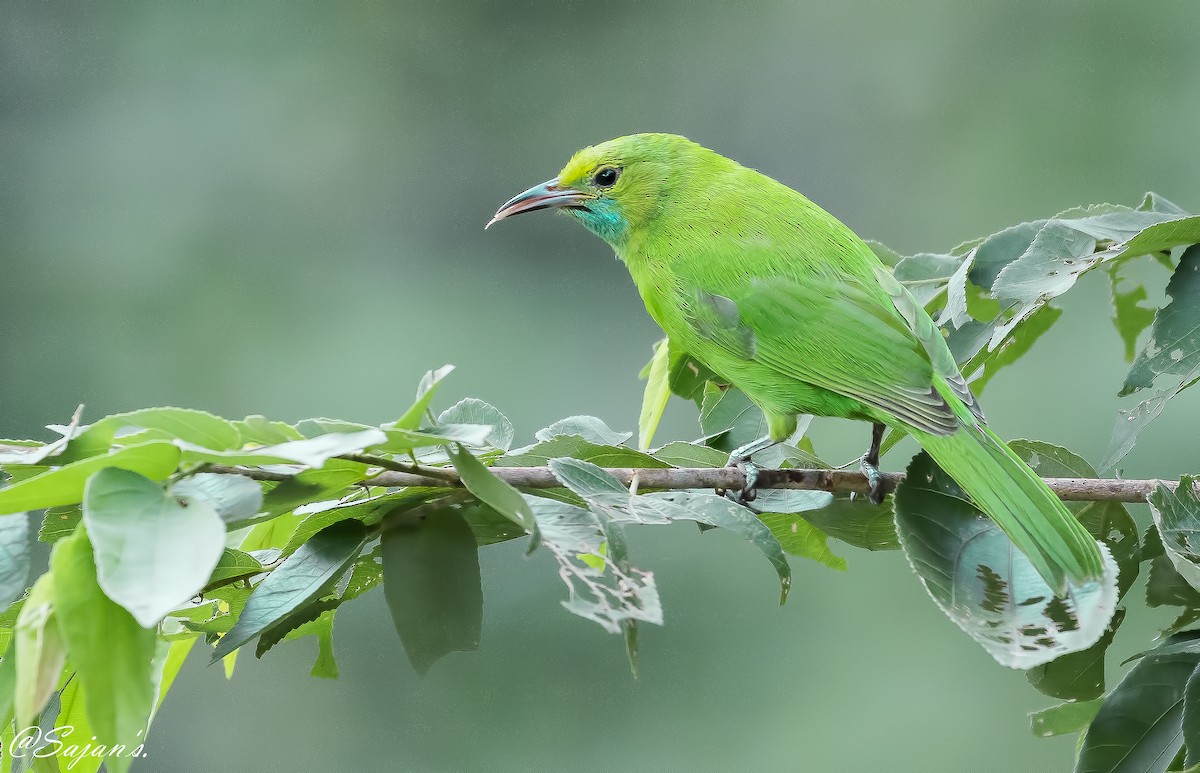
column 585, row 162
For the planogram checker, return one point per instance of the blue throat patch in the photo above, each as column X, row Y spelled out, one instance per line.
column 602, row 218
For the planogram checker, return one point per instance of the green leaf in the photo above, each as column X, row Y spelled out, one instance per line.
column 1139, row 727
column 1174, row 345
column 196, row 427
column 1165, row 586
column 325, row 666
column 589, row 428
column 489, row 526
column 234, row 563
column 1177, row 516
column 681, row 454
column 1191, row 719
column 401, row 441
column 59, row 522
column 492, row 491
column 432, row 587
column 64, row 485
column 112, row 654
column 688, row 376
column 308, row 615
column 329, row 482
column 607, row 497
column 425, row 392
column 1064, row 718
column 1164, row 235
column 857, row 522
column 1109, row 522
column 29, row 452
column 1049, row 266
column 14, row 557
column 73, row 713
column 926, row 274
column 1013, row 347
column 259, row 430
column 789, row 501
column 235, row 498
column 310, row 452
column 370, row 511
column 477, row 412
column 153, row 550
column 577, row 447
column 886, row 255
column 1130, row 423
column 40, row 652
column 984, row 584
column 1001, row 248
column 798, row 537
column 1129, row 316
column 1077, row 675
column 613, row 594
column 729, row 419
column 656, row 394
column 297, row 581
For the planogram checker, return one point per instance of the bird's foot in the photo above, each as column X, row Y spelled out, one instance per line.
column 875, row 492
column 749, row 491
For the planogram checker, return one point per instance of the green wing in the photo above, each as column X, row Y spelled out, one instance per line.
column 831, row 333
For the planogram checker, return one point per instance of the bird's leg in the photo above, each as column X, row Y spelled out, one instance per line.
column 740, row 458
column 870, row 465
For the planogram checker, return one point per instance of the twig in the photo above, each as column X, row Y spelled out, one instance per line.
column 1068, row 489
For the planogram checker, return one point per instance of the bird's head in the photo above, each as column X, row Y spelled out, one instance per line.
column 614, row 188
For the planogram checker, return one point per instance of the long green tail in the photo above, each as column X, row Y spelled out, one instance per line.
column 1020, row 502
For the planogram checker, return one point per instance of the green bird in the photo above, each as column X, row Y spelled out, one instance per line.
column 781, row 300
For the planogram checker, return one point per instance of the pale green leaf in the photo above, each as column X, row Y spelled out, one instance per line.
column 985, row 585
column 311, row 452
column 1064, row 718
column 425, row 392
column 589, row 428
column 613, row 594
column 64, row 485
column 608, row 498
column 191, row 426
column 1177, row 516
column 1174, row 345
column 153, row 550
column 14, row 556
column 235, row 498
column 1129, row 316
column 576, row 447
column 656, row 394
column 112, row 653
column 800, row 538
column 40, row 652
column 479, row 413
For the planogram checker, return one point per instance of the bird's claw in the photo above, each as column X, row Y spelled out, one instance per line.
column 875, row 492
column 749, row 492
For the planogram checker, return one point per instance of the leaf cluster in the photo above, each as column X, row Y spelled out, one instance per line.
column 171, row 527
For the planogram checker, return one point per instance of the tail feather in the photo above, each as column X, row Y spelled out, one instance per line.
column 1021, row 504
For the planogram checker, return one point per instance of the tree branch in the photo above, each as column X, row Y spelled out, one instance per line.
column 1068, row 489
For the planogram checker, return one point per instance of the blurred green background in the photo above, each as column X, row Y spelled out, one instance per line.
column 278, row 208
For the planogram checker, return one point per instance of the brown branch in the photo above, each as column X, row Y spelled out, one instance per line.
column 1068, row 489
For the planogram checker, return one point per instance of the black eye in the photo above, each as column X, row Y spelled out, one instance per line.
column 606, row 177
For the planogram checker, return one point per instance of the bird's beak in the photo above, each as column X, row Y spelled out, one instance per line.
column 543, row 196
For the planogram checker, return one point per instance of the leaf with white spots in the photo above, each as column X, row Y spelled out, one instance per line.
column 985, row 585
